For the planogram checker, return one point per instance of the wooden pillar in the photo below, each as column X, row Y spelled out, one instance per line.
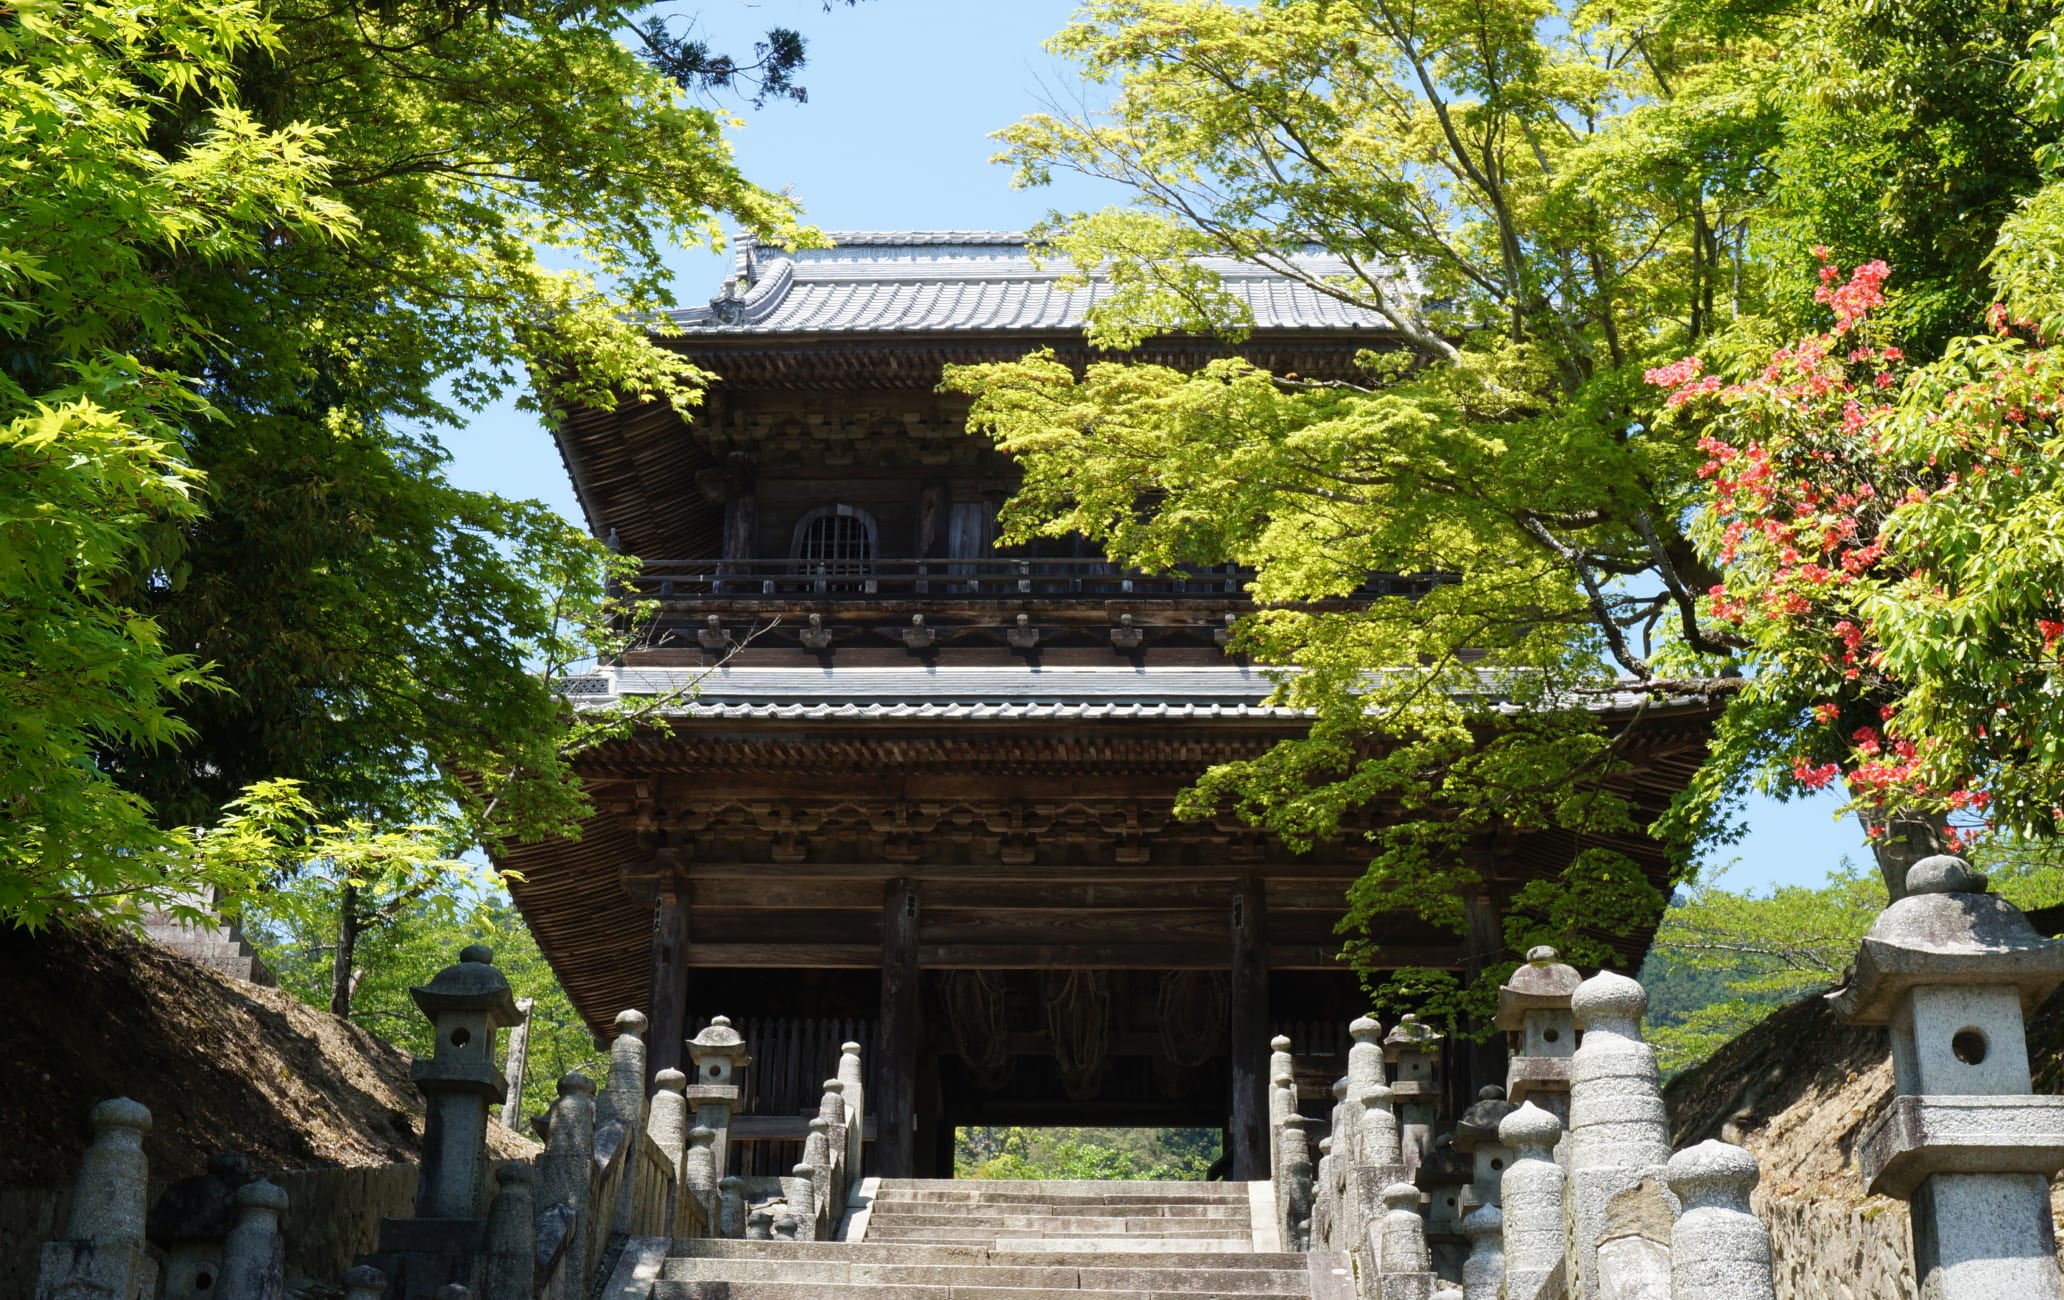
column 1249, row 1032
column 667, row 996
column 901, row 1032
column 1479, row 1061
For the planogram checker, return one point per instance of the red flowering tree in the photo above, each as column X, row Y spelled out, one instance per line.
column 1893, row 544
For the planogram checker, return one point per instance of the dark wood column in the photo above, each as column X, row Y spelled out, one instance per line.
column 900, row 1034
column 1249, row 1032
column 668, row 995
column 1473, row 1064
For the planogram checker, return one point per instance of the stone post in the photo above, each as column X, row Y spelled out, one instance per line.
column 831, row 1108
column 1619, row 1132
column 563, row 1180
column 1952, row 971
column 622, row 1103
column 1484, row 1272
column 1719, row 1249
column 254, row 1257
column 1365, row 1057
column 512, row 1234
column 365, row 1283
column 517, row 1062
column 465, row 1003
column 1327, row 1180
column 1325, row 1199
column 719, row 1055
column 817, row 1155
column 730, row 1208
column 1282, row 1096
column 102, row 1255
column 699, row 1171
column 1476, row 1137
column 800, row 1190
column 1404, row 1267
column 667, row 1118
column 1531, row 1199
column 853, row 1092
column 1534, row 1011
column 1294, row 1185
column 760, row 1226
column 1412, row 1051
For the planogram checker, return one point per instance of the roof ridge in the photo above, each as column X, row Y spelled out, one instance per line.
column 922, row 238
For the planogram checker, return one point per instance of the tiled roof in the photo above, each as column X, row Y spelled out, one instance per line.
column 922, row 281
column 945, row 692
column 985, row 693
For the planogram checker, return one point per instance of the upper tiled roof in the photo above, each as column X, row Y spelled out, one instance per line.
column 947, row 280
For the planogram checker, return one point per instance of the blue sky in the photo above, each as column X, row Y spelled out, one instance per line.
column 903, row 96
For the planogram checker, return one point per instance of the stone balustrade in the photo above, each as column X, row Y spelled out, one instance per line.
column 616, row 1165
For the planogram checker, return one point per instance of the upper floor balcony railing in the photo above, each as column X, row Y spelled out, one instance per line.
column 991, row 577
column 988, row 578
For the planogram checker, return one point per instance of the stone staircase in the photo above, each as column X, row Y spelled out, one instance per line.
column 922, row 1240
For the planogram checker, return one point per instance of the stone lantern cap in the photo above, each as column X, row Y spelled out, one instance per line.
column 718, row 1038
column 474, row 984
column 1947, row 931
column 1543, row 983
column 1479, row 1124
column 1410, row 1035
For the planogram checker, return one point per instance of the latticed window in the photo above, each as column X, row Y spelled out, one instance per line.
column 835, row 542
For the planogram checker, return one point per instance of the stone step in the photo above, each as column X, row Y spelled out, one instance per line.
column 1144, row 1189
column 1129, row 1206
column 1063, row 1225
column 1183, row 1254
column 1104, row 1277
column 1076, row 1245
column 723, row 1290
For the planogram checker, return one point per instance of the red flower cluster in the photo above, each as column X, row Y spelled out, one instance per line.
column 1854, row 300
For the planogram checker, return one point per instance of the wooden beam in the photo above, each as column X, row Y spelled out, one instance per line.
column 1025, row 926
column 783, row 1128
column 1249, row 1032
column 1030, row 873
column 772, row 889
column 667, row 996
column 900, row 1032
column 1065, row 956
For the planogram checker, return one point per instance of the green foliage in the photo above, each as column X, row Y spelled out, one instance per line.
column 250, row 257
column 296, row 943
column 93, row 334
column 1724, row 959
column 515, row 175
column 1529, row 196
column 1543, row 201
column 1084, row 1153
column 1901, row 134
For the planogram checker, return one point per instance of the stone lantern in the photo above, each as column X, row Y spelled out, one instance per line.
column 1412, row 1051
column 1952, row 971
column 1476, row 1137
column 1444, row 1176
column 1534, row 1011
column 719, row 1057
column 465, row 1004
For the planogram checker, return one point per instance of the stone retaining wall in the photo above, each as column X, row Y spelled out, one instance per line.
column 1833, row 1252
column 333, row 1216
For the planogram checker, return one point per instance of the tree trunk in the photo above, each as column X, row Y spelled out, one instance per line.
column 342, row 985
column 1900, row 840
